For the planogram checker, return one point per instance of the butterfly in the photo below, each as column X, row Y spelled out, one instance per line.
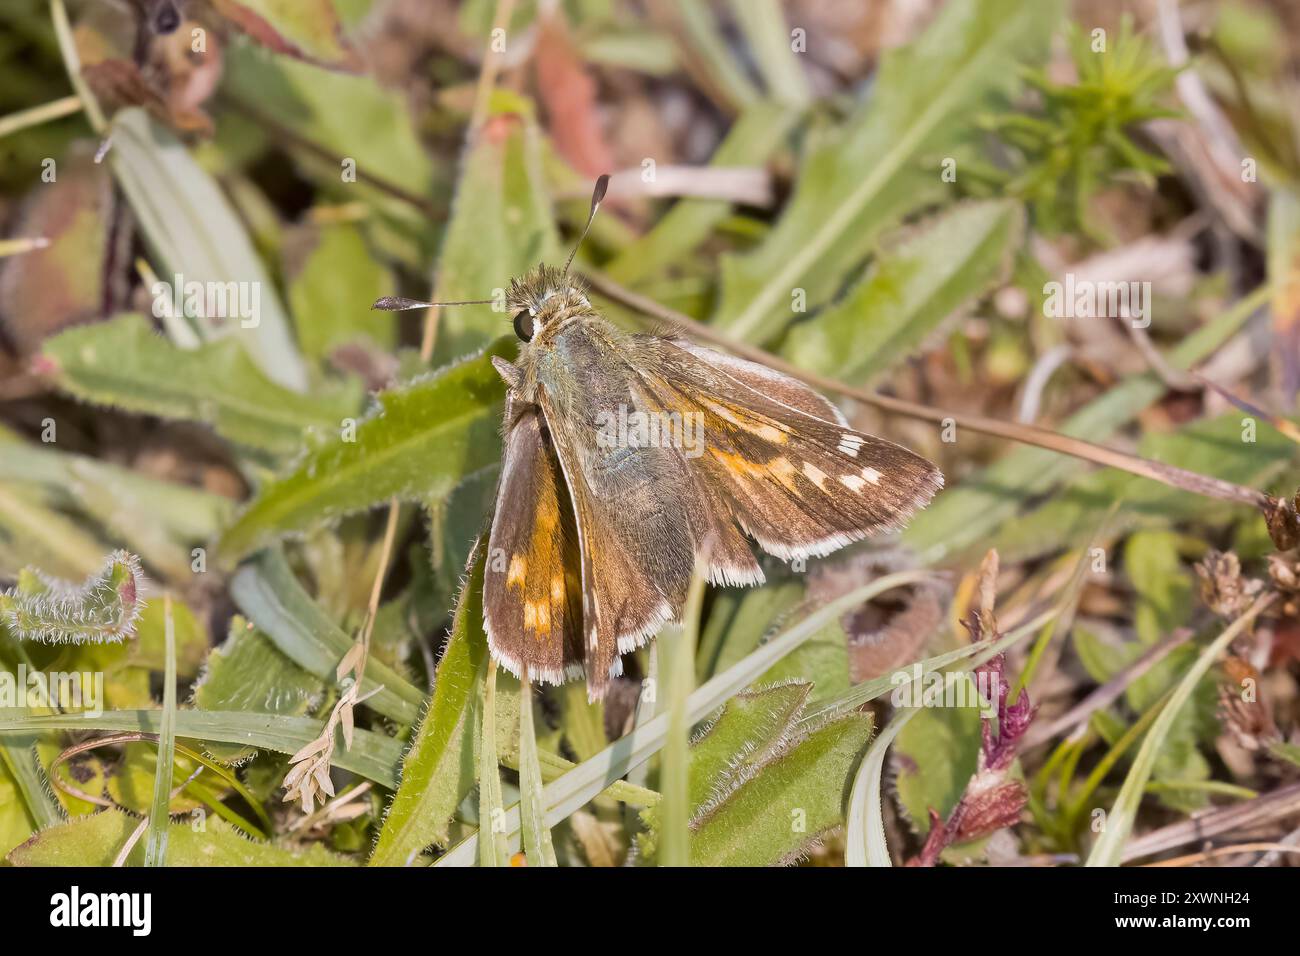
column 629, row 459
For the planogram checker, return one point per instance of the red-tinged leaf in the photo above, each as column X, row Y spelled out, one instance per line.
column 569, row 95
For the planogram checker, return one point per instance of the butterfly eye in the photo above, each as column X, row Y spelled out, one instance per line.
column 524, row 326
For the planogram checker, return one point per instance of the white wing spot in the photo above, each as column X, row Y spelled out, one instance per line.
column 850, row 443
column 871, row 475
column 815, row 475
column 852, row 482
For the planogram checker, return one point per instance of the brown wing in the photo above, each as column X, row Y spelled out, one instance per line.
column 532, row 604
column 644, row 514
column 801, row 484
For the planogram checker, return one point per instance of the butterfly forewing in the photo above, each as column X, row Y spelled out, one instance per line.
column 532, row 593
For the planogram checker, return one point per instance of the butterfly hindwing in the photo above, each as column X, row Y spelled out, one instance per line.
column 532, row 592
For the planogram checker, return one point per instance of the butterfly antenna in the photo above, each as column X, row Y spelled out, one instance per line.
column 397, row 303
column 597, row 194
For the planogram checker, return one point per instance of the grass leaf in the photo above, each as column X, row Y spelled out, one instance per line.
column 536, row 834
column 1109, row 848
column 196, row 235
column 925, row 96
column 491, row 803
column 156, row 836
column 934, row 273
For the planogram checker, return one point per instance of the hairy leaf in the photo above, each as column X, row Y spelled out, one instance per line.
column 96, row 840
column 421, row 441
column 438, row 770
column 123, row 363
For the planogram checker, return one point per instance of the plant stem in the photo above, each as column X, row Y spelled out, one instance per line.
column 37, row 115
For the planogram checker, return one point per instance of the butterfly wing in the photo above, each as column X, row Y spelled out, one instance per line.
column 796, row 477
column 532, row 588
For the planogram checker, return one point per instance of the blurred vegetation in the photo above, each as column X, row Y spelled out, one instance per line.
column 275, row 521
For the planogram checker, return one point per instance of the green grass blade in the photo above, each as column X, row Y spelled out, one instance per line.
column 1109, row 848
column 677, row 647
column 267, row 590
column 155, row 852
column 372, row 755
column 491, row 804
column 865, row 843
column 196, row 234
column 536, row 833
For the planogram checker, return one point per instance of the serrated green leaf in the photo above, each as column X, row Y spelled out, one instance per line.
column 248, row 673
column 96, row 840
column 123, row 363
column 924, row 99
column 422, row 440
column 938, row 270
column 751, row 725
column 788, row 802
column 438, row 770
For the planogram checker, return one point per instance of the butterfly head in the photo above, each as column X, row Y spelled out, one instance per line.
column 544, row 297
